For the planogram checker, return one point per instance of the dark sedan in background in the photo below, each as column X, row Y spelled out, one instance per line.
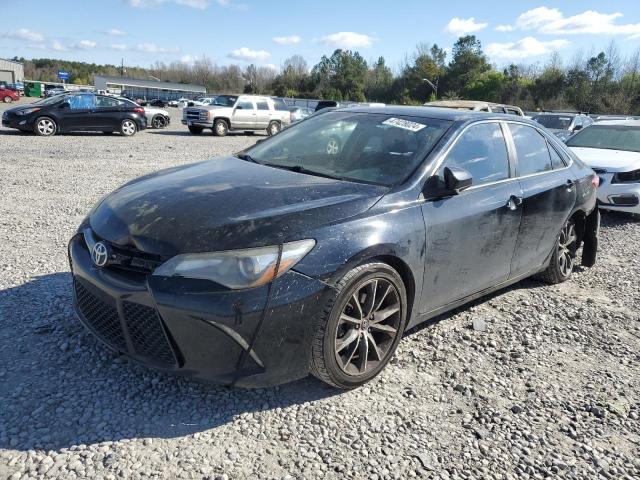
column 259, row 268
column 77, row 112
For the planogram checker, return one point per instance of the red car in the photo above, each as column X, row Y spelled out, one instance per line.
column 8, row 96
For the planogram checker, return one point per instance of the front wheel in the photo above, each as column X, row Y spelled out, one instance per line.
column 361, row 327
column 128, row 128
column 8, row 99
column 45, row 127
column 274, row 128
column 220, row 128
column 564, row 254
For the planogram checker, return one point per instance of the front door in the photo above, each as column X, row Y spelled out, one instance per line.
column 79, row 115
column 471, row 236
column 244, row 115
column 548, row 197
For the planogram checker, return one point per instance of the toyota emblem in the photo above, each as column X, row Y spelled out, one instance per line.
column 99, row 254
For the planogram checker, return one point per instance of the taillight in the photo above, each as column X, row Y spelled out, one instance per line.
column 138, row 110
column 595, row 181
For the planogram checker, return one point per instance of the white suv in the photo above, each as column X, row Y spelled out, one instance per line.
column 237, row 112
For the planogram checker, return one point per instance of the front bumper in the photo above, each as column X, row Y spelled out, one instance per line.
column 194, row 327
column 621, row 197
column 22, row 122
column 197, row 123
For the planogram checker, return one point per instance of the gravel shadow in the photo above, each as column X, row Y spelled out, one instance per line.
column 60, row 387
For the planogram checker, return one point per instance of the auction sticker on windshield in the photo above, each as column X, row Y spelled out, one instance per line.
column 404, row 124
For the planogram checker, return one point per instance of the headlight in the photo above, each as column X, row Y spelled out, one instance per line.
column 237, row 268
column 27, row 111
column 626, row 177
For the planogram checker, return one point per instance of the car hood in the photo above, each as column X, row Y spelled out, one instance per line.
column 224, row 204
column 610, row 160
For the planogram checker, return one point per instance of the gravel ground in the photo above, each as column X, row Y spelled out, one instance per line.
column 534, row 382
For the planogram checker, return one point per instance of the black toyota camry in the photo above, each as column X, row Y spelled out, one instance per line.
column 314, row 250
column 77, row 112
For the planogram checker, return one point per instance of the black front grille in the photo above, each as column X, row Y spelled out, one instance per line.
column 147, row 334
column 102, row 318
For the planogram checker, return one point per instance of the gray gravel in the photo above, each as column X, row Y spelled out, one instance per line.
column 533, row 382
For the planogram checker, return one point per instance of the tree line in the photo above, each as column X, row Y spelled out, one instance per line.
column 605, row 82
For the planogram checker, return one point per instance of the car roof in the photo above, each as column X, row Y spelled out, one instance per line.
column 450, row 114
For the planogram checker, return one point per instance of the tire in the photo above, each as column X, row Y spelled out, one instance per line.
column 128, row 128
column 563, row 257
column 340, row 345
column 195, row 130
column 333, row 146
column 220, row 128
column 273, row 128
column 45, row 127
column 7, row 99
column 158, row 121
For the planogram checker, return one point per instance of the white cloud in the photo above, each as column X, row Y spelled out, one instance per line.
column 463, row 26
column 153, row 48
column 505, row 28
column 290, row 40
column 525, row 48
column 347, row 40
column 187, row 59
column 247, row 54
column 24, row 34
column 118, row 46
column 116, row 33
column 199, row 4
column 551, row 21
column 58, row 47
column 84, row 45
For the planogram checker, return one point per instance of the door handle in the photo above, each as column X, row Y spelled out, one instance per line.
column 514, row 202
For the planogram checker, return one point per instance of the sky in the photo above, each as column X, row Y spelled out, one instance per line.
column 141, row 32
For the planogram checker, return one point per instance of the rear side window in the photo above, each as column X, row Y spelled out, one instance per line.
column 482, row 151
column 531, row 149
column 279, row 104
column 556, row 160
column 244, row 105
column 262, row 105
column 107, row 102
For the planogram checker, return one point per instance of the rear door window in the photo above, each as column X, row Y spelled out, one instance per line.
column 262, row 105
column 85, row 101
column 531, row 150
column 482, row 151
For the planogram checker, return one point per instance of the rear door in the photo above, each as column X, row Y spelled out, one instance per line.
column 263, row 113
column 549, row 195
column 244, row 114
column 470, row 237
column 108, row 113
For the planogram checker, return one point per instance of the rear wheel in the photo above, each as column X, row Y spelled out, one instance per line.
column 128, row 128
column 45, row 127
column 564, row 254
column 274, row 128
column 220, row 128
column 8, row 99
column 195, row 130
column 361, row 327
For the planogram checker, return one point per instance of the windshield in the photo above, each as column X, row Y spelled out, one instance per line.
column 370, row 148
column 558, row 122
column 225, row 100
column 50, row 100
column 610, row 137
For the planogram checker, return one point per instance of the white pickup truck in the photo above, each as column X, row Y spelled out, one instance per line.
column 238, row 113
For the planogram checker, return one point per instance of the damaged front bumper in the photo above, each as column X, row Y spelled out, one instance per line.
column 197, row 328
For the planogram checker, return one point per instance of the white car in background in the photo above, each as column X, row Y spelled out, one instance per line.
column 612, row 149
column 157, row 117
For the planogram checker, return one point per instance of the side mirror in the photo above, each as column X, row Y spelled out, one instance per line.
column 65, row 105
column 457, row 179
column 577, row 127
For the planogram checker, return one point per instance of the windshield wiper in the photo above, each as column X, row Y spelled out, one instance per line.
column 248, row 158
column 304, row 170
